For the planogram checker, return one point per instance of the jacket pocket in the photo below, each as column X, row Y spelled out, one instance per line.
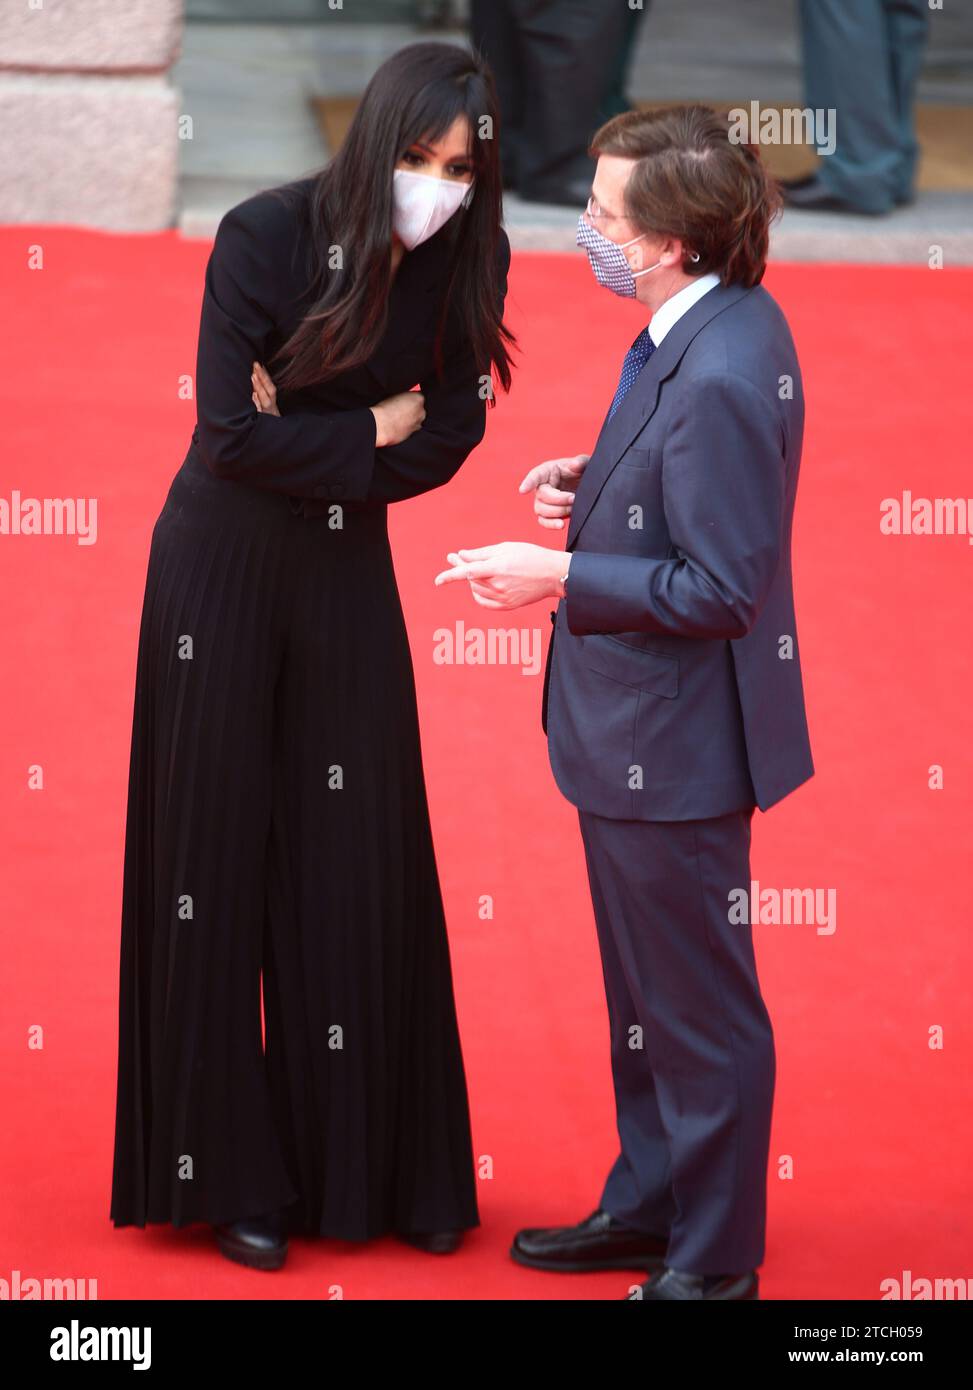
column 633, row 666
column 637, row 457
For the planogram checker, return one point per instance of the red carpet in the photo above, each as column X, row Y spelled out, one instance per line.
column 876, row 1123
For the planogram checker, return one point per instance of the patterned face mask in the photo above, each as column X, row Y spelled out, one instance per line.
column 607, row 259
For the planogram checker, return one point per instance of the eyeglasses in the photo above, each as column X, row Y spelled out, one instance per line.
column 597, row 213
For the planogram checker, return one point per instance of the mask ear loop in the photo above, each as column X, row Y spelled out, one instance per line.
column 636, row 273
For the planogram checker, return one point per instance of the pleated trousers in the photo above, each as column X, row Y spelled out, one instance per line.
column 279, row 860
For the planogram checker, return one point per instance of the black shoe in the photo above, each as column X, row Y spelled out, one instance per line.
column 433, row 1242
column 672, row 1286
column 600, row 1242
column 256, row 1241
column 810, row 194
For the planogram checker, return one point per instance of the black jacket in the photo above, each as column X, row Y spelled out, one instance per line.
column 322, row 446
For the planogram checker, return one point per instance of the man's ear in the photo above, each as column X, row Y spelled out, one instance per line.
column 671, row 252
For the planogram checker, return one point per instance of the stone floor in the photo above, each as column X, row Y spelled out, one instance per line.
column 247, row 88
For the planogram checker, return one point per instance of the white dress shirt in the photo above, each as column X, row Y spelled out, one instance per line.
column 669, row 313
column 662, row 320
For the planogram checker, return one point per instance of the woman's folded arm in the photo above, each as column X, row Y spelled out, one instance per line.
column 454, row 425
column 300, row 453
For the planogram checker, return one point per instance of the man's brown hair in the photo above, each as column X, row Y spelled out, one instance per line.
column 695, row 183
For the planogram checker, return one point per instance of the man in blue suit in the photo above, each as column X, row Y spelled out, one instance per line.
column 673, row 695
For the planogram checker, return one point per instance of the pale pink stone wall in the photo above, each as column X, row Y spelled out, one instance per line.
column 88, row 113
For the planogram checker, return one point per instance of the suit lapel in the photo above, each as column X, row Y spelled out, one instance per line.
column 640, row 404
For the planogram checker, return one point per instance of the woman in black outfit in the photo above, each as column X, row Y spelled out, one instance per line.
column 277, row 824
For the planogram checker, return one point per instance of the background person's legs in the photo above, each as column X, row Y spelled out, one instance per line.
column 493, row 31
column 907, row 25
column 554, row 62
column 615, row 95
column 862, row 60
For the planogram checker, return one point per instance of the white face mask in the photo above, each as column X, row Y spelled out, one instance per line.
column 421, row 204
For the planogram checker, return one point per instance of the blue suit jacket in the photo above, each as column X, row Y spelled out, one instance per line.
column 673, row 686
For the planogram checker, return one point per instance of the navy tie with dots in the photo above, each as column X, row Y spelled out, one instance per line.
column 635, row 359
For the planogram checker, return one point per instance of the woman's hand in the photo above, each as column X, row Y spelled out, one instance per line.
column 554, row 484
column 264, row 391
column 397, row 417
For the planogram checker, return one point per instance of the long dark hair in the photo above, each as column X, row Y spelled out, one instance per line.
column 415, row 95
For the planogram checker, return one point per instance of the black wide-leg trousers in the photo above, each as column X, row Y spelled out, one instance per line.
column 278, row 853
column 692, row 1047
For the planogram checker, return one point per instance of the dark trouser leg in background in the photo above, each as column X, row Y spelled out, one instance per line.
column 553, row 60
column 863, row 60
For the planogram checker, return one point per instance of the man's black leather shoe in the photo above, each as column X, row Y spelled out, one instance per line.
column 433, row 1242
column 256, row 1241
column 599, row 1242
column 811, row 195
column 670, row 1285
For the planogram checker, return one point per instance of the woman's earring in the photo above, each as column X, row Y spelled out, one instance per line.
column 694, row 257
